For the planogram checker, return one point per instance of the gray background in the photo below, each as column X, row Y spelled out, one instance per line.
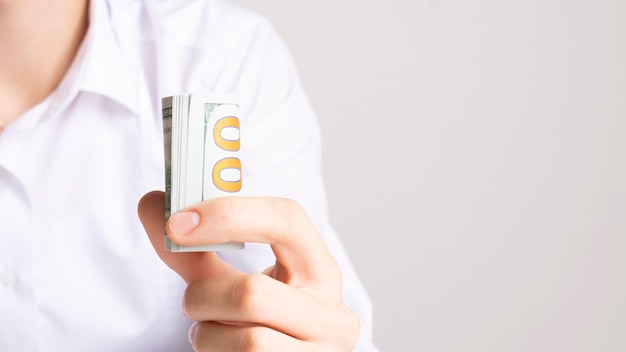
column 475, row 158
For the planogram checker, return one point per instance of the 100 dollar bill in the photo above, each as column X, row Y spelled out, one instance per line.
column 201, row 134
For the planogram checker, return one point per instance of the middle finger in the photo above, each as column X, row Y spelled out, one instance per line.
column 261, row 300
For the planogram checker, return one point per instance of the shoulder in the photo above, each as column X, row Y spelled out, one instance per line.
column 216, row 45
column 205, row 23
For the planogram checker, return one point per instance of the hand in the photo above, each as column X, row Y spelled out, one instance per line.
column 295, row 305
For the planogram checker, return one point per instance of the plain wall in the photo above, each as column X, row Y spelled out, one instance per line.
column 475, row 160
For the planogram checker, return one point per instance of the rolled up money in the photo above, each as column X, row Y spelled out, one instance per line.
column 201, row 134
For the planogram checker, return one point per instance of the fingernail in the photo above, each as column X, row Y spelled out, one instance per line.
column 192, row 333
column 184, row 222
column 182, row 306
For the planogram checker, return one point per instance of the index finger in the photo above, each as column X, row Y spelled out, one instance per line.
column 279, row 222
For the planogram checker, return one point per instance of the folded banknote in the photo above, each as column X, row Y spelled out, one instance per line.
column 201, row 134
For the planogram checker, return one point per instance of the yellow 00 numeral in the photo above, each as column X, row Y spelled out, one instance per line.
column 229, row 162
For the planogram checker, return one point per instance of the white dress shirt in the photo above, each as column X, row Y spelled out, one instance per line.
column 77, row 272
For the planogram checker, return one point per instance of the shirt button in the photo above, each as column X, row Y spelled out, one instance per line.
column 7, row 278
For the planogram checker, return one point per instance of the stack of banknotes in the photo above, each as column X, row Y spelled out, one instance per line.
column 201, row 134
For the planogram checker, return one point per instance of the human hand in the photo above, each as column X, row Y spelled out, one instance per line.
column 295, row 305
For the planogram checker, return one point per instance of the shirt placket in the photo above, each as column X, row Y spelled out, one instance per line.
column 18, row 320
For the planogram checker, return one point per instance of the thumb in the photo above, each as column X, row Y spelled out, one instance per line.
column 190, row 266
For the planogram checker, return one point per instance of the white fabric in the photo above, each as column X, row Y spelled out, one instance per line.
column 77, row 272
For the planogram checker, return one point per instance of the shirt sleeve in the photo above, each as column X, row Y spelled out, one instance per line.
column 281, row 145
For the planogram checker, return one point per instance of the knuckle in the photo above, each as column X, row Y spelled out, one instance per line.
column 344, row 329
column 249, row 295
column 221, row 211
column 351, row 328
column 253, row 339
column 356, row 328
column 286, row 210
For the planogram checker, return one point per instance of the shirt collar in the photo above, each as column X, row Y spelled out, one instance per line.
column 104, row 70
